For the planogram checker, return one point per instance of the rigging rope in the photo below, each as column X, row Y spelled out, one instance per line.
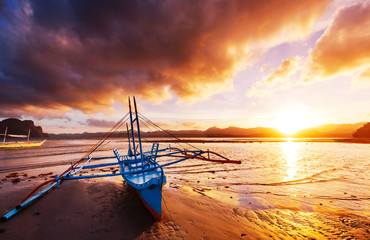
column 179, row 141
column 108, row 134
column 150, row 129
column 162, row 178
column 172, row 218
column 96, row 146
column 224, row 159
column 144, row 122
column 168, row 133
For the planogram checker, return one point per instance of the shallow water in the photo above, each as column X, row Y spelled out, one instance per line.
column 272, row 174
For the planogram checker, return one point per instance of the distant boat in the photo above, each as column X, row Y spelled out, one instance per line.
column 19, row 144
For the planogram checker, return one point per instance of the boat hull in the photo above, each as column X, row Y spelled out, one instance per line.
column 150, row 193
column 152, row 200
column 147, row 185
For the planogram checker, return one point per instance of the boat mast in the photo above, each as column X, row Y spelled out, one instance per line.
column 6, row 131
column 138, row 131
column 129, row 141
column 132, row 129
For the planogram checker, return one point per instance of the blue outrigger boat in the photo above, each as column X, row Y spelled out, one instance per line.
column 138, row 168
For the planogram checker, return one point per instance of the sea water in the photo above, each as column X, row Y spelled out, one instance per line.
column 284, row 174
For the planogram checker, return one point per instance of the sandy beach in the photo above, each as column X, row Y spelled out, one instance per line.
column 288, row 190
column 108, row 209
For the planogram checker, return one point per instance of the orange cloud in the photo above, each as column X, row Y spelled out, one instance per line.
column 38, row 112
column 86, row 55
column 191, row 125
column 286, row 69
column 279, row 79
column 362, row 79
column 345, row 45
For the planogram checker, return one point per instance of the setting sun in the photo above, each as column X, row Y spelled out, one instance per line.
column 291, row 120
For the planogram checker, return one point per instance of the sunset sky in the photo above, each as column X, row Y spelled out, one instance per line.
column 70, row 65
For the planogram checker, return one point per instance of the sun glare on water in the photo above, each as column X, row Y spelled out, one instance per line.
column 292, row 120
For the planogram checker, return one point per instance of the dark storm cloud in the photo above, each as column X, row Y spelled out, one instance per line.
column 81, row 54
column 2, row 5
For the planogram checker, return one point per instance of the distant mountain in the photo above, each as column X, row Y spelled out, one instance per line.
column 330, row 131
column 182, row 133
column 178, row 133
column 18, row 127
column 324, row 131
column 84, row 135
column 363, row 132
column 211, row 132
column 242, row 132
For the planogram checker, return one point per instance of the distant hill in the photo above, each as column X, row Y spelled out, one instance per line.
column 330, row 131
column 19, row 127
column 324, row 131
column 242, row 132
column 363, row 132
column 211, row 132
column 182, row 133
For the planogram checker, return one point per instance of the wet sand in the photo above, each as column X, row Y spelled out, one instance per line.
column 108, row 209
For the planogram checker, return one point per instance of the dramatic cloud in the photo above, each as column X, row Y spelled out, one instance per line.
column 37, row 112
column 175, row 125
column 363, row 79
column 279, row 79
column 68, row 54
column 92, row 122
column 345, row 45
column 189, row 124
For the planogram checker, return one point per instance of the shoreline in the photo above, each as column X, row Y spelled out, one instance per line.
column 272, row 140
column 243, row 139
column 107, row 209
